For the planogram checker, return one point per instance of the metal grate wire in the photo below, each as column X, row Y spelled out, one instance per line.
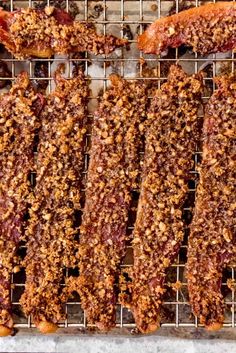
column 118, row 14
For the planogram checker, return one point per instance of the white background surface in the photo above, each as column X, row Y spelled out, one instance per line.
column 83, row 344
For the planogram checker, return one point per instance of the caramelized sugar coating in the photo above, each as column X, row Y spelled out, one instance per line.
column 171, row 137
column 51, row 231
column 43, row 33
column 212, row 242
column 207, row 29
column 112, row 174
column 18, row 123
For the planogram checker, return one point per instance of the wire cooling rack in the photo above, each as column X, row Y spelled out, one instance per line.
column 127, row 19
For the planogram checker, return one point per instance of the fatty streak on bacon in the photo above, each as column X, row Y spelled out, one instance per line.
column 51, row 231
column 171, row 138
column 112, row 174
column 207, row 29
column 39, row 33
column 212, row 242
column 18, row 123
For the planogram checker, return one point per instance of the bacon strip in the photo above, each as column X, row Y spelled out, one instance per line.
column 112, row 174
column 158, row 233
column 18, row 122
column 212, row 242
column 51, row 231
column 39, row 33
column 207, row 29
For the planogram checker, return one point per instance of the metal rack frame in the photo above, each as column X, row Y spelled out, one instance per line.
column 180, row 310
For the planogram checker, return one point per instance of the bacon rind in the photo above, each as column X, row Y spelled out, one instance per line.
column 18, row 124
column 112, row 174
column 51, row 231
column 212, row 241
column 207, row 29
column 37, row 33
column 170, row 143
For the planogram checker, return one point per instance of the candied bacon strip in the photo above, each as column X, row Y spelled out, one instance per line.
column 30, row 32
column 207, row 29
column 52, row 230
column 18, row 122
column 112, row 174
column 170, row 142
column 212, row 241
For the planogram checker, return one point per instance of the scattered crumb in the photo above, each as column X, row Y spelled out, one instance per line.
column 231, row 284
column 154, row 7
column 176, row 286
